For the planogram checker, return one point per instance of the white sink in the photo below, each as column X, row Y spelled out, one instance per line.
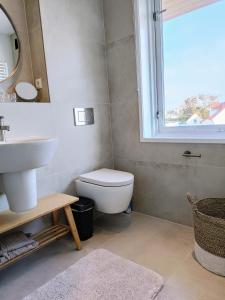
column 18, row 160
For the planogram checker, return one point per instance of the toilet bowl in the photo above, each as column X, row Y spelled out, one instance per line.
column 111, row 190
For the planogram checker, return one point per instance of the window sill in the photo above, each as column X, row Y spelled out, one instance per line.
column 185, row 140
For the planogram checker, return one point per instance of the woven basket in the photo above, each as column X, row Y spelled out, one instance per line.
column 209, row 224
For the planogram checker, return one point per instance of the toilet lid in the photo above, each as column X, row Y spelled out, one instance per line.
column 107, row 177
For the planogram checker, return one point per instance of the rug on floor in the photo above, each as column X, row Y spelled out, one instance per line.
column 101, row 275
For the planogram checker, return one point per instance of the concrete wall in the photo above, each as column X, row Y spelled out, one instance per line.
column 162, row 175
column 75, row 53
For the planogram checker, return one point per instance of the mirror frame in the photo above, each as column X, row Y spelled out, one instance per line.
column 19, row 45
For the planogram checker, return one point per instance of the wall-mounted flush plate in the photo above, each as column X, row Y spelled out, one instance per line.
column 83, row 116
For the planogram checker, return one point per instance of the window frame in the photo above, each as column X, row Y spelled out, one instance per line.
column 149, row 54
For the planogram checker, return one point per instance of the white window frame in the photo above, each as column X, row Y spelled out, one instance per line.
column 150, row 84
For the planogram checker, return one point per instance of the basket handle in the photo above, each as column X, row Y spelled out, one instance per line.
column 190, row 199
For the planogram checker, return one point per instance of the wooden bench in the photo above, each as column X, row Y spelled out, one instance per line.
column 48, row 205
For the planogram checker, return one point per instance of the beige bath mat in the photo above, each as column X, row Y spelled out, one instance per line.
column 101, row 275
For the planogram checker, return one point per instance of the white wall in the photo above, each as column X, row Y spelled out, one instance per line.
column 75, row 54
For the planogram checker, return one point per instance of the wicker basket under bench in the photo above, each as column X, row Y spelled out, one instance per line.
column 48, row 205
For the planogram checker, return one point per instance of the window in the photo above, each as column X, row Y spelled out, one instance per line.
column 181, row 64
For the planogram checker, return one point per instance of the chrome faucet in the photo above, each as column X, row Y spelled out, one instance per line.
column 3, row 128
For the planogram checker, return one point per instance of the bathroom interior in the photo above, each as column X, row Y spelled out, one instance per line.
column 112, row 149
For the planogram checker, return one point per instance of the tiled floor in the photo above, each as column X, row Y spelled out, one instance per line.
column 154, row 243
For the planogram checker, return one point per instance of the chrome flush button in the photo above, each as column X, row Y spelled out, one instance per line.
column 83, row 116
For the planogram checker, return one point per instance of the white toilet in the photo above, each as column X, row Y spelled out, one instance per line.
column 111, row 190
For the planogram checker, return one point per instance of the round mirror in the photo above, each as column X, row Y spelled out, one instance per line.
column 9, row 46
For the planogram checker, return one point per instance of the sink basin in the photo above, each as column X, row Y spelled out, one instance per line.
column 18, row 160
column 23, row 154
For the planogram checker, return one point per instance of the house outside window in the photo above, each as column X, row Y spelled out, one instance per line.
column 181, row 70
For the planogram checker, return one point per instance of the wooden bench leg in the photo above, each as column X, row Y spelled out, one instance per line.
column 56, row 217
column 73, row 228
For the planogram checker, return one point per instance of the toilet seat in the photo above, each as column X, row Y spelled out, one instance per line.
column 108, row 178
column 111, row 190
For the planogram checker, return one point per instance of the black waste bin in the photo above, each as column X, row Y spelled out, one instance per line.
column 83, row 215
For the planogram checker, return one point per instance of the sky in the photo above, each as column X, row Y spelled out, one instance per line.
column 194, row 55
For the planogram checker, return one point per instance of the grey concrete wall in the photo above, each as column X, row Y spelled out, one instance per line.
column 162, row 175
column 75, row 53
